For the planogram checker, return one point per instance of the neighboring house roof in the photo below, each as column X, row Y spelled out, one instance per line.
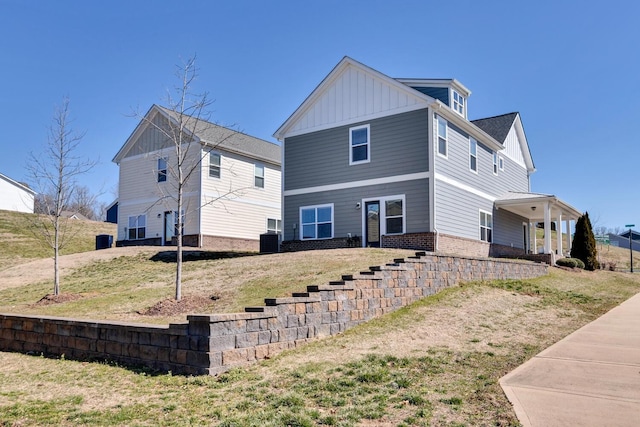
column 73, row 215
column 212, row 135
column 531, row 205
column 20, row 185
column 634, row 235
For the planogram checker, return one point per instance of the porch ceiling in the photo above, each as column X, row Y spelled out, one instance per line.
column 532, row 206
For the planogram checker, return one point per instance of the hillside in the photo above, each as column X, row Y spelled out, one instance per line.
column 19, row 244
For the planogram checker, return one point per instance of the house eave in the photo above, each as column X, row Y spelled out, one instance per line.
column 443, row 110
column 532, row 207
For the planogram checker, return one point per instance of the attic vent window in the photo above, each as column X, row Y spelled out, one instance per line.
column 458, row 103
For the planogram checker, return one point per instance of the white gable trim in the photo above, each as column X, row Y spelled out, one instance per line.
column 351, row 92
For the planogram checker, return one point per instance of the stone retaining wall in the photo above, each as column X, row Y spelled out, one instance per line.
column 211, row 344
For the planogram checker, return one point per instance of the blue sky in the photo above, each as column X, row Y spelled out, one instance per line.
column 572, row 69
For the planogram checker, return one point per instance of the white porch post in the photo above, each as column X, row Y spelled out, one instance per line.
column 559, row 233
column 547, row 228
column 568, row 225
column 534, row 227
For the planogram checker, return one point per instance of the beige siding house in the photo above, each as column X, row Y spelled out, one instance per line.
column 230, row 199
column 15, row 196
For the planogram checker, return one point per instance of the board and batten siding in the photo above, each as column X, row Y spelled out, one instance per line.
column 242, row 209
column 348, row 218
column 512, row 149
column 152, row 139
column 398, row 146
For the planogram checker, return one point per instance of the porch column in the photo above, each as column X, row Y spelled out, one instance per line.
column 568, row 225
column 533, row 226
column 547, row 228
column 559, row 233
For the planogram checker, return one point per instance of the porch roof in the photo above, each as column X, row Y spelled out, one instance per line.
column 531, row 206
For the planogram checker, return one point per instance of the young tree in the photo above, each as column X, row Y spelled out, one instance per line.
column 53, row 172
column 188, row 112
column 584, row 243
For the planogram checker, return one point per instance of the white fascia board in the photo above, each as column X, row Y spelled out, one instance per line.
column 282, row 131
column 478, row 134
column 524, row 144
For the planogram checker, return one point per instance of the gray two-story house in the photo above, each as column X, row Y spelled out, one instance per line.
column 369, row 160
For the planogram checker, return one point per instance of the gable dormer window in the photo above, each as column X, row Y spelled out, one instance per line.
column 458, row 103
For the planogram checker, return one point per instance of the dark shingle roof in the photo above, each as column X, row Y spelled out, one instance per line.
column 497, row 127
column 229, row 139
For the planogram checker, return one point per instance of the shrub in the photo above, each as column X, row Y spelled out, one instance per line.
column 584, row 243
column 567, row 262
column 579, row 263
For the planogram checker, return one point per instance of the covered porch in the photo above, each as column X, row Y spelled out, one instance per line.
column 542, row 208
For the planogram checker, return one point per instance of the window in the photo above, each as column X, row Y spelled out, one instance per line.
column 394, row 216
column 274, row 226
column 442, row 136
column 359, row 145
column 258, row 176
column 495, row 163
column 137, row 227
column 162, row 169
column 214, row 165
column 458, row 103
column 316, row 222
column 473, row 155
column 486, row 226
column 501, row 161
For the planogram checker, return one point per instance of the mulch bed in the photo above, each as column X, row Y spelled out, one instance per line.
column 170, row 307
column 57, row 299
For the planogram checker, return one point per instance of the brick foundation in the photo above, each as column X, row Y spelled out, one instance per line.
column 211, row 344
column 217, row 243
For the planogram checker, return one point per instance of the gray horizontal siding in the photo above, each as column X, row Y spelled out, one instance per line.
column 507, row 228
column 458, row 214
column 457, row 211
column 456, row 166
column 398, row 145
column 348, row 219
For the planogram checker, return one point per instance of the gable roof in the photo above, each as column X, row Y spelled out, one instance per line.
column 343, row 89
column 498, row 126
column 20, row 185
column 210, row 134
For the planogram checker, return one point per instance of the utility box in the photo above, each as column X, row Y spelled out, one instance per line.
column 269, row 243
column 104, row 241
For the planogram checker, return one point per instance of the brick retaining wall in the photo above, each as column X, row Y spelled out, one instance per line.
column 211, row 344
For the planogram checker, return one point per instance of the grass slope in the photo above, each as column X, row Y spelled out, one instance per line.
column 436, row 362
column 19, row 244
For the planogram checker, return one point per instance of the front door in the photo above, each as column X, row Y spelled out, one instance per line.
column 169, row 227
column 372, row 210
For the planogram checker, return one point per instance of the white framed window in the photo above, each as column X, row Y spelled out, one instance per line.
column 162, row 169
column 458, row 104
column 486, row 226
column 501, row 162
column 214, row 165
column 137, row 227
column 316, row 222
column 258, row 176
column 394, row 216
column 274, row 226
column 473, row 155
column 442, row 136
column 495, row 163
column 359, row 145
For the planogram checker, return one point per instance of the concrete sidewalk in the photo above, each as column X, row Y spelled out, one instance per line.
column 590, row 378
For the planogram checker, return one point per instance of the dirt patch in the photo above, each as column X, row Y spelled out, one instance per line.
column 187, row 304
column 57, row 299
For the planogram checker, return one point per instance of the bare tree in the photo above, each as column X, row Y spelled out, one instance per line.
column 85, row 203
column 188, row 113
column 53, row 172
